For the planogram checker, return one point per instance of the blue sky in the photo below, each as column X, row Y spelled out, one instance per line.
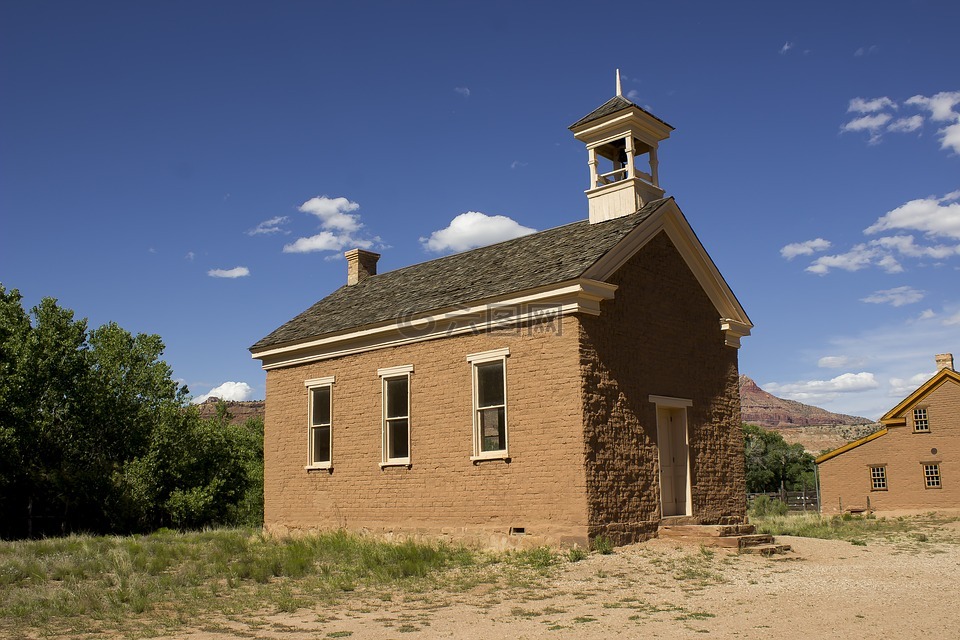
column 196, row 169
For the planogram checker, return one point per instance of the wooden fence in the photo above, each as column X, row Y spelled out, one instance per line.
column 795, row 500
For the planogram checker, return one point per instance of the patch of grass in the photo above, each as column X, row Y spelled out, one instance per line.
column 576, row 554
column 168, row 578
column 856, row 527
column 583, row 619
column 603, row 545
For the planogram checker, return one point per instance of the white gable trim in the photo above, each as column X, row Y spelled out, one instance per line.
column 543, row 303
column 668, row 218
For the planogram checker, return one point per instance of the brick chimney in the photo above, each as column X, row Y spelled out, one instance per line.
column 945, row 361
column 360, row 265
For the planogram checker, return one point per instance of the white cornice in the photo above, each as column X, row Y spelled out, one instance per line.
column 543, row 303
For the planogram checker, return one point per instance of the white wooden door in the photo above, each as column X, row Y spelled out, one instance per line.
column 674, row 476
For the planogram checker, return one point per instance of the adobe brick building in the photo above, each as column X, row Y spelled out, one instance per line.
column 910, row 464
column 576, row 382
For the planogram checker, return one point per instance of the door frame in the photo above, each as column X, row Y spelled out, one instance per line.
column 680, row 406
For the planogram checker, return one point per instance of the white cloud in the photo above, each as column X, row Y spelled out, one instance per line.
column 236, row 272
column 807, row 248
column 906, row 125
column 786, row 47
column 633, row 95
column 952, row 321
column 872, row 124
column 840, row 362
column 866, row 51
column 517, row 164
column 464, row 91
column 327, row 241
column 334, row 213
column 267, row 227
column 339, row 227
column 896, row 297
column 860, row 105
column 474, row 229
column 933, row 216
column 859, row 257
column 942, row 108
column 231, row 391
column 190, row 256
column 906, row 386
column 927, row 314
column 824, row 389
column 907, row 246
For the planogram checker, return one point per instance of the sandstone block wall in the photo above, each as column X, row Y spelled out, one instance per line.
column 845, row 481
column 541, row 489
column 659, row 336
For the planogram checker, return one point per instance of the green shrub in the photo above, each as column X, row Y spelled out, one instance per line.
column 763, row 506
column 602, row 545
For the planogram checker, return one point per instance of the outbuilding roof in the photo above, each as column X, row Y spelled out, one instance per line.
column 544, row 258
column 614, row 104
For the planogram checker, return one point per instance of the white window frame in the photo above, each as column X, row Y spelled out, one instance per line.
column 314, row 385
column 392, row 373
column 921, row 420
column 476, row 359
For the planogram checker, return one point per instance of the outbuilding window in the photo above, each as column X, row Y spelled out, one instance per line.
column 931, row 475
column 878, row 478
column 490, row 435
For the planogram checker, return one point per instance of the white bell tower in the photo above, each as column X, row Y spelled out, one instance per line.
column 619, row 135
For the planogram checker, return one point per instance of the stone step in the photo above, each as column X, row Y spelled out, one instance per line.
column 705, row 530
column 767, row 549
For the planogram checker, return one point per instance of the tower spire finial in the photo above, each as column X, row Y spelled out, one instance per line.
column 619, row 91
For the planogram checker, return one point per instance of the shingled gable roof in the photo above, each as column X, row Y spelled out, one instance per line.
column 897, row 415
column 539, row 259
column 614, row 104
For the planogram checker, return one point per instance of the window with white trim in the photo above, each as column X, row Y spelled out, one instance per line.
column 320, row 424
column 490, row 437
column 920, row 422
column 395, row 382
column 931, row 476
column 878, row 478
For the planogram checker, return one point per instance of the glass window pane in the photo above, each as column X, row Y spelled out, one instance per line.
column 493, row 429
column 398, row 439
column 490, row 384
column 321, row 405
column 397, row 397
column 321, row 444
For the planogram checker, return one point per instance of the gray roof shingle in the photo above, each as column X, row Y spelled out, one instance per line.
column 614, row 104
column 544, row 258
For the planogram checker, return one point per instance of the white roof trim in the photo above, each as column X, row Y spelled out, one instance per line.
column 543, row 303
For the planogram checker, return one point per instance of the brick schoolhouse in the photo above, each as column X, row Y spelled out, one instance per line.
column 908, row 465
column 575, row 382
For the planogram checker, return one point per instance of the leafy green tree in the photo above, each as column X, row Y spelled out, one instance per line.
column 772, row 464
column 95, row 435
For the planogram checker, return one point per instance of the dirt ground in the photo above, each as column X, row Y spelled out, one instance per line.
column 662, row 589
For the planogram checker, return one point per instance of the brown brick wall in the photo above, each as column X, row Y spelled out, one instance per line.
column 541, row 489
column 845, row 480
column 660, row 336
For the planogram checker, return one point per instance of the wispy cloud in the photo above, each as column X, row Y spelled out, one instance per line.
column 934, row 217
column 633, row 95
column 340, row 227
column 807, row 248
column 897, row 297
column 230, row 391
column 878, row 119
column 866, row 51
column 473, row 229
column 271, row 226
column 516, row 164
column 872, row 105
column 190, row 256
column 236, row 272
column 786, row 47
column 464, row 91
column 816, row 390
column 840, row 362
